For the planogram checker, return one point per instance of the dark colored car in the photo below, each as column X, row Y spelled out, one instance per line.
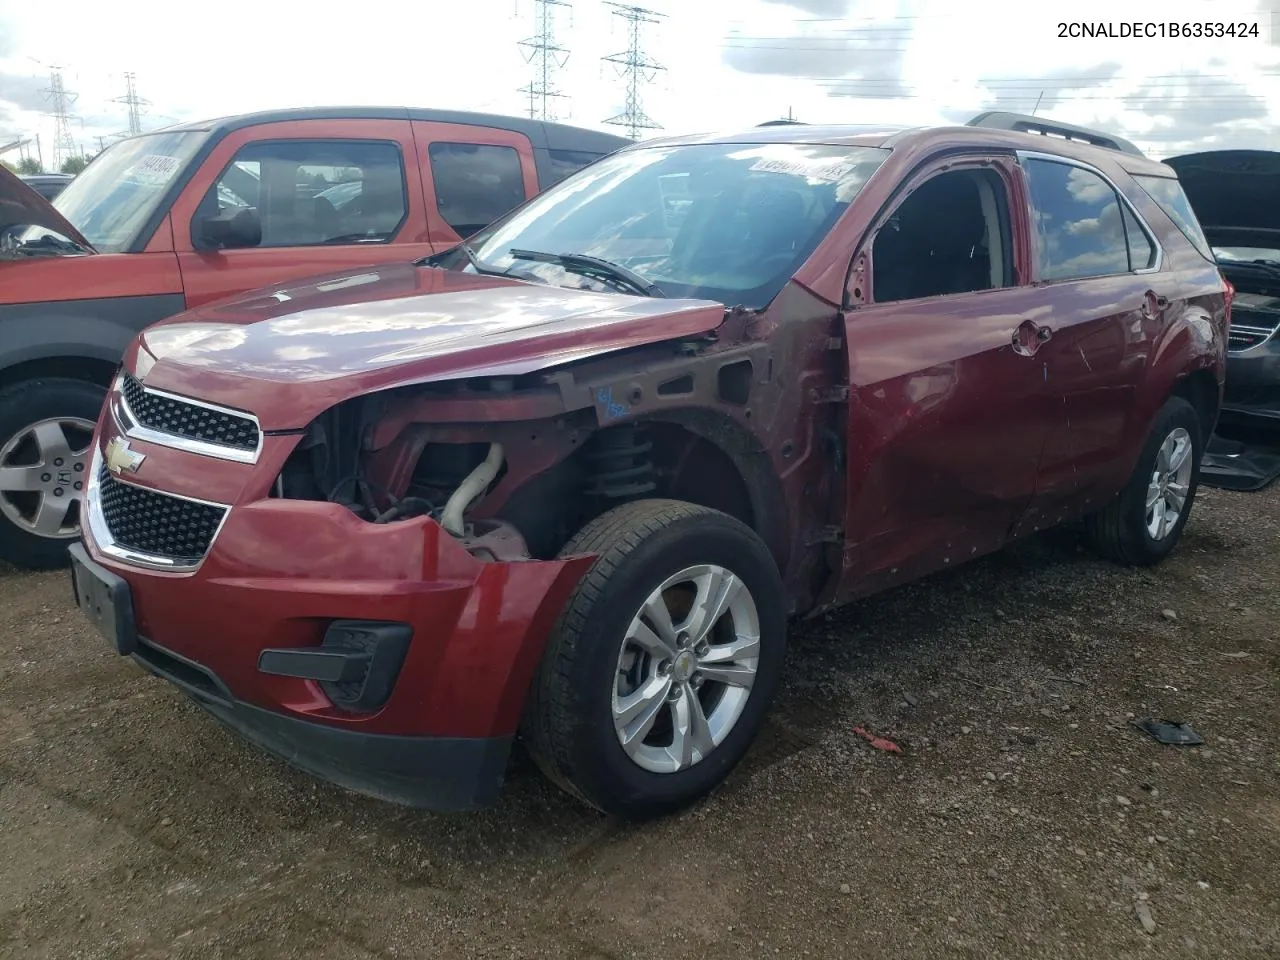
column 1236, row 197
column 186, row 215
column 573, row 477
column 48, row 185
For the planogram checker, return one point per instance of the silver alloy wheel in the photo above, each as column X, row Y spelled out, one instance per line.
column 682, row 685
column 43, row 471
column 1170, row 483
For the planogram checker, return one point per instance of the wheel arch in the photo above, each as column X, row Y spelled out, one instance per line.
column 699, row 456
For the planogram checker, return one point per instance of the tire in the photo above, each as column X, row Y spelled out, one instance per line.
column 1120, row 530
column 569, row 719
column 27, row 410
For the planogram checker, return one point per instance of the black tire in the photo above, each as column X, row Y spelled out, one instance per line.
column 1119, row 530
column 22, row 405
column 568, row 723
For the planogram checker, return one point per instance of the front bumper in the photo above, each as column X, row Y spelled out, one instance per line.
column 436, row 773
column 279, row 574
column 1252, row 392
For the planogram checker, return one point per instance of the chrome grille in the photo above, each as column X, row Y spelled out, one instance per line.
column 1241, row 337
column 183, row 418
column 157, row 523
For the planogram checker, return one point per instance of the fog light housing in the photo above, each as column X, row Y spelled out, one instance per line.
column 356, row 664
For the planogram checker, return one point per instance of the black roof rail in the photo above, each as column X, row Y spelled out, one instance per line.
column 1022, row 123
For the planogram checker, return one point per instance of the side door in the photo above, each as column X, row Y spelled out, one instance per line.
column 1097, row 264
column 947, row 409
column 281, row 201
column 471, row 176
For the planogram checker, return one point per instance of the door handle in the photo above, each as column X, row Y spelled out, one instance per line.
column 1028, row 336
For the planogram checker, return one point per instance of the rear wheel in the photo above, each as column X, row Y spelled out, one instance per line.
column 659, row 673
column 1142, row 525
column 46, row 430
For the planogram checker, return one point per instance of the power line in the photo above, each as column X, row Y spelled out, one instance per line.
column 639, row 67
column 134, row 103
column 61, row 99
column 546, row 57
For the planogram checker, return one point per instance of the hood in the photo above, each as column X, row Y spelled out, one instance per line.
column 287, row 353
column 1235, row 195
column 20, row 204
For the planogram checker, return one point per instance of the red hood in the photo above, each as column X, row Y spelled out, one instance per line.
column 287, row 353
column 20, row 205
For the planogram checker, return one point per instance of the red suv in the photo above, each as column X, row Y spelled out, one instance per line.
column 189, row 214
column 574, row 476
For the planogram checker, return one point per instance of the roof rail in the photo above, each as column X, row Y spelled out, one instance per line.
column 1000, row 120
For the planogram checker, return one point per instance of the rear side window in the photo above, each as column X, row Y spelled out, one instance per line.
column 566, row 162
column 1080, row 229
column 1168, row 193
column 1142, row 250
column 475, row 183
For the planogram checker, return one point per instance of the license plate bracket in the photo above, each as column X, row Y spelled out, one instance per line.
column 105, row 599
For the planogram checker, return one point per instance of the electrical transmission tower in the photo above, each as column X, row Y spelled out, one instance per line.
column 638, row 68
column 541, row 51
column 134, row 103
column 60, row 99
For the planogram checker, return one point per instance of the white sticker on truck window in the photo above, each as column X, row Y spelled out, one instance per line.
column 826, row 170
column 154, row 170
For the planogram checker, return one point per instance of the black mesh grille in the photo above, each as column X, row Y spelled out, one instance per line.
column 157, row 523
column 188, row 419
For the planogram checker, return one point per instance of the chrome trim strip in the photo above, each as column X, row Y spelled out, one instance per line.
column 1142, row 221
column 92, row 511
column 135, row 430
column 1264, row 336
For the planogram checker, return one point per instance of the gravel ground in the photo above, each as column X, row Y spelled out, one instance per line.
column 1025, row 817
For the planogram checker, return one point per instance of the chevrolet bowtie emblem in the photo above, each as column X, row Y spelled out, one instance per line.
column 121, row 459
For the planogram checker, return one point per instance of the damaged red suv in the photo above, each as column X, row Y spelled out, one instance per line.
column 571, row 479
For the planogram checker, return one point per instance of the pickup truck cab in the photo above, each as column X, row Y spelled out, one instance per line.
column 183, row 216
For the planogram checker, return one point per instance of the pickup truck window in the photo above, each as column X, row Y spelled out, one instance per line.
column 309, row 193
column 115, row 196
column 475, row 183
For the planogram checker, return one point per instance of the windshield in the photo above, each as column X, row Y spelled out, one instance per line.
column 725, row 222
column 117, row 193
column 1246, row 254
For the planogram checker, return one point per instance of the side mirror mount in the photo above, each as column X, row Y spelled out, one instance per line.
column 229, row 230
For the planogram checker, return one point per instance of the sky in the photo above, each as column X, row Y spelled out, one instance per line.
column 727, row 64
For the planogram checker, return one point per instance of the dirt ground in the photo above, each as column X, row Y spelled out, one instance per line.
column 1026, row 816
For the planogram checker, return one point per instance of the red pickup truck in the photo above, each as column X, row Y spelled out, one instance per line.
column 170, row 220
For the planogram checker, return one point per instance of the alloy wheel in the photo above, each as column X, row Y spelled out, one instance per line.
column 43, row 471
column 686, row 668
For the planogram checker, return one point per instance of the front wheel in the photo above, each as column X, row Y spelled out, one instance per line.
column 659, row 672
column 46, row 428
column 1142, row 525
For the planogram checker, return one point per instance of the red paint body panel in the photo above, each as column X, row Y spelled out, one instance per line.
column 214, row 274
column 96, row 276
column 280, row 570
column 344, row 335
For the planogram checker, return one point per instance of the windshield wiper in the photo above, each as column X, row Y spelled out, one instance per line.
column 587, row 266
column 478, row 265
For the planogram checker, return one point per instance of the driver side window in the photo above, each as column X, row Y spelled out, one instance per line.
column 299, row 193
column 951, row 235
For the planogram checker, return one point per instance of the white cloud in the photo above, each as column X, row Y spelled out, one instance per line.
column 729, row 63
